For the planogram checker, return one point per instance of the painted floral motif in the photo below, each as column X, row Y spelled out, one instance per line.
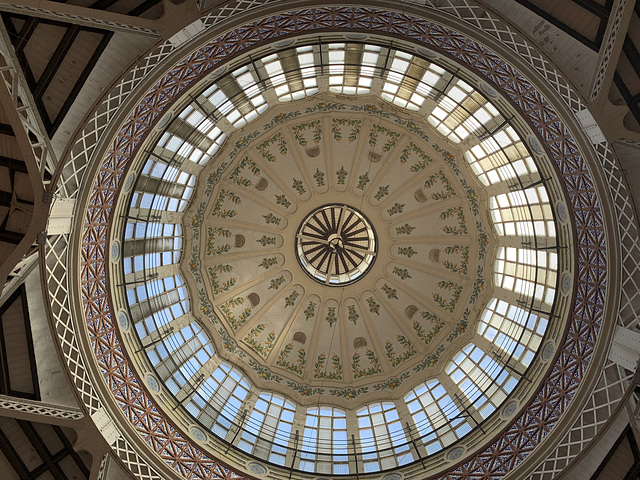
column 348, row 393
column 224, row 195
column 449, row 286
column 422, row 333
column 196, row 220
column 290, row 300
column 319, row 178
column 342, row 175
column 392, row 383
column 407, row 251
column 373, row 306
column 463, row 251
column 315, row 128
column 263, row 372
column 281, row 118
column 278, row 140
column 298, row 186
column 325, row 106
column 353, row 314
column 194, row 265
column 390, row 292
column 363, row 180
column 382, row 192
column 212, row 233
column 483, row 240
column 403, row 273
column 270, row 218
column 430, row 360
column 240, row 320
column 331, row 317
column 397, row 359
column 230, row 344
column 252, row 340
column 461, row 326
column 446, row 192
column 478, row 285
column 416, row 167
column 264, row 240
column 413, row 127
column 373, row 367
column 448, row 157
column 214, row 177
column 338, row 123
column 268, row 262
column 245, row 163
column 276, row 283
column 395, row 209
column 392, row 137
column 320, row 370
column 412, row 148
column 206, row 307
column 305, row 390
column 472, row 197
column 282, row 200
column 370, row 109
column 218, row 287
column 241, row 143
column 295, row 367
column 454, row 212
column 310, row 311
column 405, row 229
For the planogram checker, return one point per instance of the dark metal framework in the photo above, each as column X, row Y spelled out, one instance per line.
column 20, row 38
column 631, row 51
column 51, row 457
column 633, row 473
column 602, row 12
column 9, row 365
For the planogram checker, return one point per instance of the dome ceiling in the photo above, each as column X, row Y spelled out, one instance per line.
column 203, row 371
column 416, row 215
column 379, row 257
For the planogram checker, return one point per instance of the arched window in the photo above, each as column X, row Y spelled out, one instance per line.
column 484, row 383
column 268, row 431
column 382, row 438
column 532, row 273
column 515, row 331
column 500, row 157
column 324, row 443
column 217, row 402
column 435, row 416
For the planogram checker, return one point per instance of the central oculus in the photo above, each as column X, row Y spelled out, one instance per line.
column 336, row 245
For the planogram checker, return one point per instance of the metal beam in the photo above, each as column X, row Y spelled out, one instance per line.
column 100, row 19
column 19, row 104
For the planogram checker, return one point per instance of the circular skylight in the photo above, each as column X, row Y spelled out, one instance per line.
column 336, row 245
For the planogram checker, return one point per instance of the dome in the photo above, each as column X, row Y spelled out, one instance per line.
column 335, row 249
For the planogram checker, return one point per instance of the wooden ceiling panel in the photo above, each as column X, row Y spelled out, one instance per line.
column 9, row 147
column 20, row 443
column 623, row 460
column 144, row 8
column 69, row 71
column 30, row 450
column 585, row 20
column 41, row 46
